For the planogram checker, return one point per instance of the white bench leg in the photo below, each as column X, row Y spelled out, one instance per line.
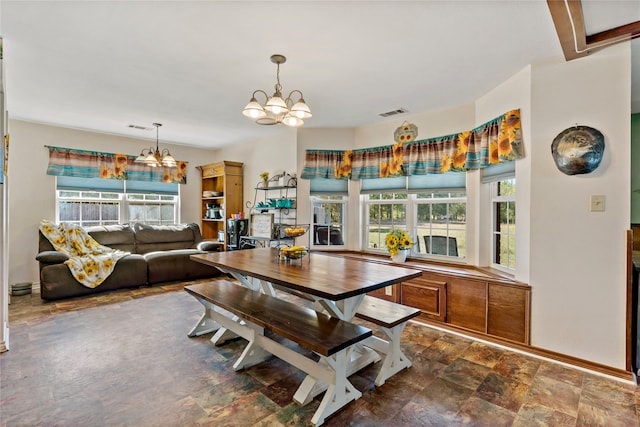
column 205, row 325
column 340, row 392
column 253, row 353
column 223, row 334
column 359, row 357
column 394, row 360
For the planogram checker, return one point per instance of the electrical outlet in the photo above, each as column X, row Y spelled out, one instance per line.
column 597, row 203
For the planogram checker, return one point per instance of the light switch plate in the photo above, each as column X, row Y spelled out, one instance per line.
column 597, row 203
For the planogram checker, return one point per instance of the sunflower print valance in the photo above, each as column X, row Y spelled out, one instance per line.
column 497, row 141
column 95, row 164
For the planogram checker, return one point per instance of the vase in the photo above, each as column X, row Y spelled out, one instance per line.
column 401, row 256
column 265, row 183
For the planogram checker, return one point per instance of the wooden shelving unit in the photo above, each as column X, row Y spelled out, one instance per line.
column 223, row 177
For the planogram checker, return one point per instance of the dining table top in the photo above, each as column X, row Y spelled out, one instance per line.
column 319, row 274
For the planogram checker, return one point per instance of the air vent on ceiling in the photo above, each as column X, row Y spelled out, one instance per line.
column 393, row 112
column 139, row 127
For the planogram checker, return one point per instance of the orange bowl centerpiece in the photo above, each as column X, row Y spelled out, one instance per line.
column 295, row 230
column 293, row 252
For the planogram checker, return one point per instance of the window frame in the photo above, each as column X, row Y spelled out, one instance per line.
column 122, row 200
column 411, row 204
column 495, row 230
column 333, row 199
column 147, row 201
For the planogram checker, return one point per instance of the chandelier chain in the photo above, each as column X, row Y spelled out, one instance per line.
column 278, row 87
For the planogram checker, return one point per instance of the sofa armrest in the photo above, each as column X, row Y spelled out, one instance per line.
column 209, row 246
column 52, row 257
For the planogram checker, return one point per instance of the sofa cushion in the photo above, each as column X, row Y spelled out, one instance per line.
column 116, row 236
column 172, row 265
column 56, row 281
column 150, row 238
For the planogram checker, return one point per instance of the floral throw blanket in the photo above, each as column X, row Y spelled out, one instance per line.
column 89, row 261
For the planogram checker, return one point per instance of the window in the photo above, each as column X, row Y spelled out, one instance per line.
column 88, row 202
column 328, row 211
column 328, row 220
column 436, row 221
column 152, row 208
column 385, row 212
column 441, row 224
column 88, row 208
column 504, row 223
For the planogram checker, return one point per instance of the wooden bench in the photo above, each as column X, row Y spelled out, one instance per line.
column 392, row 318
column 331, row 338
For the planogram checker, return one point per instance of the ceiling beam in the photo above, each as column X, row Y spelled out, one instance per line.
column 574, row 39
column 623, row 32
column 562, row 22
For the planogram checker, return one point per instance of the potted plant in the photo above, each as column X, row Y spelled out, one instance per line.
column 398, row 244
column 264, row 176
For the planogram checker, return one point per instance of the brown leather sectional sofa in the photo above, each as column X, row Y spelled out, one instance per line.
column 159, row 253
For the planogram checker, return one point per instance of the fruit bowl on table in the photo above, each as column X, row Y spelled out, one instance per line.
column 295, row 230
column 293, row 252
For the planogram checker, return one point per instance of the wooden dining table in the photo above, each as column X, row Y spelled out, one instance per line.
column 335, row 284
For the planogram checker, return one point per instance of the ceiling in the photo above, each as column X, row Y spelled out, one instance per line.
column 192, row 66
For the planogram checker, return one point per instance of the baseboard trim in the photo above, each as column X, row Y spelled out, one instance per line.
column 541, row 353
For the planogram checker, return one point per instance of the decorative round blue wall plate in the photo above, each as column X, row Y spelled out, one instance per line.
column 578, row 150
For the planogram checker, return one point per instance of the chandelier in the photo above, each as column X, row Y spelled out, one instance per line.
column 156, row 158
column 277, row 110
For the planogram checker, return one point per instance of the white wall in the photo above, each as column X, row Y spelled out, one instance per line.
column 32, row 195
column 574, row 259
column 273, row 154
column 430, row 125
column 578, row 257
column 514, row 93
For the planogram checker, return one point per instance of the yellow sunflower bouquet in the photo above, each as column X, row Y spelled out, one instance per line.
column 398, row 240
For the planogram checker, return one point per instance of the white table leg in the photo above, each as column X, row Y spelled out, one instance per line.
column 344, row 309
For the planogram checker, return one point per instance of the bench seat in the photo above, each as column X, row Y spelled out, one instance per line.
column 250, row 312
column 392, row 318
column 315, row 331
column 385, row 313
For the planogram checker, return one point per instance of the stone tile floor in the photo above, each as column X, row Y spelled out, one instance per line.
column 124, row 359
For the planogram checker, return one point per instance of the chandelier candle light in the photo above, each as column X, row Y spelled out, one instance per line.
column 277, row 110
column 156, row 158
